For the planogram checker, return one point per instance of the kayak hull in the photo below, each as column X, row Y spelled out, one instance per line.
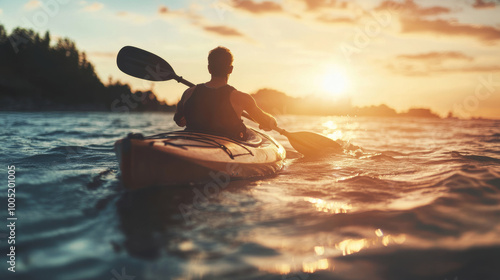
column 192, row 157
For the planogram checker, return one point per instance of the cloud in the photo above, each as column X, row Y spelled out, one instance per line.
column 410, row 7
column 480, row 4
column 336, row 20
column 257, row 7
column 490, row 68
column 165, row 12
column 162, row 9
column 486, row 34
column 94, row 7
column 199, row 21
column 320, row 4
column 133, row 17
column 33, row 4
column 223, row 30
column 413, row 19
column 436, row 57
column 425, row 64
column 422, row 70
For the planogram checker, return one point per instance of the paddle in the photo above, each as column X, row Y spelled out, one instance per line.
column 145, row 65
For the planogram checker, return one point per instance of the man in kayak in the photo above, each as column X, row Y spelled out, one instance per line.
column 216, row 106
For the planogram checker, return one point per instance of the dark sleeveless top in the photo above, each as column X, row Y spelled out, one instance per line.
column 210, row 109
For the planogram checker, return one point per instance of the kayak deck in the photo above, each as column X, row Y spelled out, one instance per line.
column 193, row 157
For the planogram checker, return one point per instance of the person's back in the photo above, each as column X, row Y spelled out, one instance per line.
column 216, row 106
column 210, row 109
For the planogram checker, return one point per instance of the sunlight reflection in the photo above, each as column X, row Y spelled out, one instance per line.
column 335, row 135
column 350, row 246
column 398, row 239
column 283, row 268
column 329, row 207
column 320, row 250
column 307, row 265
column 310, row 267
column 78, row 245
column 186, row 246
column 321, row 258
column 330, row 125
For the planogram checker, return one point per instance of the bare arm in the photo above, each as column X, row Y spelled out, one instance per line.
column 179, row 118
column 247, row 103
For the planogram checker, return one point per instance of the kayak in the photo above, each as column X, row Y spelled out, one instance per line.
column 182, row 157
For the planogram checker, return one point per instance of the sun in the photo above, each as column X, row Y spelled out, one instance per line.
column 335, row 81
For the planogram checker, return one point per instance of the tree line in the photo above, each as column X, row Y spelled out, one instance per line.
column 38, row 74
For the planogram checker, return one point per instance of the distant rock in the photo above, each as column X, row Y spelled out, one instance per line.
column 277, row 102
column 419, row 113
column 379, row 111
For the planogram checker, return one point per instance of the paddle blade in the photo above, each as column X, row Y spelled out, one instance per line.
column 144, row 65
column 312, row 144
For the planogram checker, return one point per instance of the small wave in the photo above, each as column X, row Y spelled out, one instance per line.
column 393, row 153
column 74, row 150
column 495, row 138
column 292, row 154
column 69, row 154
column 469, row 188
column 99, row 179
column 36, row 160
column 61, row 132
column 20, row 123
column 492, row 151
column 79, row 134
column 476, row 158
column 379, row 157
column 366, row 181
column 467, row 135
column 482, row 158
column 68, row 149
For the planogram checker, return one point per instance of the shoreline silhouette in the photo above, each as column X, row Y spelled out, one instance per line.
column 37, row 74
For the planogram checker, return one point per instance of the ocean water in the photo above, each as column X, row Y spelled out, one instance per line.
column 419, row 199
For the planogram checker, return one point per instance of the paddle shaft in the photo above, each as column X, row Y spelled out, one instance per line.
column 181, row 80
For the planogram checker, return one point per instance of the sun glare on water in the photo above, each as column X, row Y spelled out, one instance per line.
column 335, row 81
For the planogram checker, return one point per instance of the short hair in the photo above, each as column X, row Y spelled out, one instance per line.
column 220, row 60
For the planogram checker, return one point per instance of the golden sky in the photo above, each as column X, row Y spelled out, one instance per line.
column 444, row 55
